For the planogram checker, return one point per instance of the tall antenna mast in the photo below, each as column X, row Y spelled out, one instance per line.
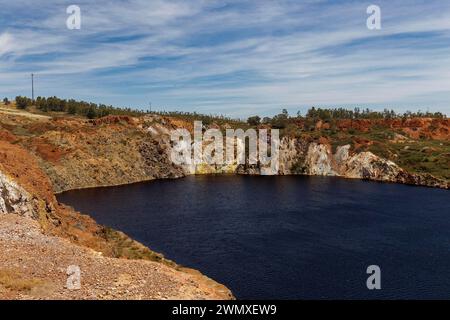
column 32, row 87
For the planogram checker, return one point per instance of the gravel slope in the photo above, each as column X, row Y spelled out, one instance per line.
column 34, row 266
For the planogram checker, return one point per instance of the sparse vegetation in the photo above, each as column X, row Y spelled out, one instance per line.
column 14, row 281
column 220, row 120
column 125, row 247
column 423, row 155
column 357, row 113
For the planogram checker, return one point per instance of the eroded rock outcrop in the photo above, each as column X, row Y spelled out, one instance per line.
column 318, row 159
column 14, row 199
column 303, row 157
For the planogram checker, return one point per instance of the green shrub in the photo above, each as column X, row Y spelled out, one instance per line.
column 23, row 102
column 254, row 120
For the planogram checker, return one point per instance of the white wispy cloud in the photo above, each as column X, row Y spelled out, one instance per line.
column 233, row 57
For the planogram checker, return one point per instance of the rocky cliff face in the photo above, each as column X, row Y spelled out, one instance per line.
column 78, row 154
column 300, row 157
column 14, row 199
column 320, row 160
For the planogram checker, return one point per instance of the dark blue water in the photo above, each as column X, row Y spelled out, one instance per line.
column 288, row 237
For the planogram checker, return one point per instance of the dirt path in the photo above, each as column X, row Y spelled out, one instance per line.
column 23, row 113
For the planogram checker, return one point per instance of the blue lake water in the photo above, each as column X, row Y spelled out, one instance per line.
column 288, row 237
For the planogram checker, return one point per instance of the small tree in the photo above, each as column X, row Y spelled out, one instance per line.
column 6, row 101
column 280, row 120
column 22, row 102
column 254, row 121
column 71, row 107
column 91, row 113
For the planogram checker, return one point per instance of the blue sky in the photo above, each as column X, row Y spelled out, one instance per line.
column 230, row 57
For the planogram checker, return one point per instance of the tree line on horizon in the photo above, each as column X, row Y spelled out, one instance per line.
column 314, row 114
column 82, row 108
column 281, row 120
column 206, row 119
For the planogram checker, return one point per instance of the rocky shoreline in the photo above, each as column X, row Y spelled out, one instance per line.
column 133, row 150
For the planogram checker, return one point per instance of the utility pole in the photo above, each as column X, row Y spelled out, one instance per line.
column 32, row 87
column 150, row 105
